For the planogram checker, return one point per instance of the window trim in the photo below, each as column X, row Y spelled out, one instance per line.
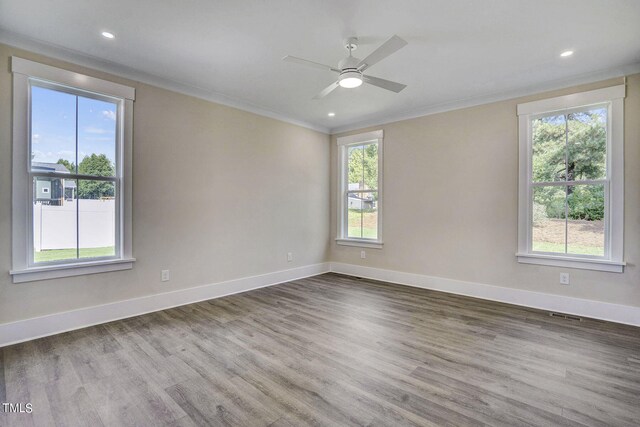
column 614, row 211
column 23, row 269
column 344, row 142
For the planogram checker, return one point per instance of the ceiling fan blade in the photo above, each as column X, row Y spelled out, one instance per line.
column 390, row 46
column 306, row 62
column 384, row 84
column 326, row 91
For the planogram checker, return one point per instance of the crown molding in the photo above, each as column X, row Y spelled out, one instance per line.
column 62, row 53
column 59, row 52
column 378, row 119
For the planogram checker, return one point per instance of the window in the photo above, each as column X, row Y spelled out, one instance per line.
column 72, row 137
column 360, row 191
column 571, row 181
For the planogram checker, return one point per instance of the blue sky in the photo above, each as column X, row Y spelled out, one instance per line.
column 53, row 126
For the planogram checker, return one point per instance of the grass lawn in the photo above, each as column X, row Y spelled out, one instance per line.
column 369, row 221
column 61, row 254
column 573, row 249
column 367, row 233
column 587, row 237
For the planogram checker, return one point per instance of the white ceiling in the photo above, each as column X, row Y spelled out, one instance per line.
column 230, row 51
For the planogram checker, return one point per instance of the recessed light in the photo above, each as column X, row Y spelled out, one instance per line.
column 331, row 114
column 566, row 53
column 108, row 35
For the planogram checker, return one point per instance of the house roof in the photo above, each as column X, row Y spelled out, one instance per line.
column 48, row 167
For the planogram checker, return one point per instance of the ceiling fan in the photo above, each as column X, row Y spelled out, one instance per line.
column 351, row 69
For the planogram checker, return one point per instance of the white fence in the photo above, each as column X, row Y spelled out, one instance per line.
column 54, row 227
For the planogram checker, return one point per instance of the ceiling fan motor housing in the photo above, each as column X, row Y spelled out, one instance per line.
column 349, row 62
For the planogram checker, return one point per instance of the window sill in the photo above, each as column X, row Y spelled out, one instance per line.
column 572, row 262
column 68, row 270
column 374, row 244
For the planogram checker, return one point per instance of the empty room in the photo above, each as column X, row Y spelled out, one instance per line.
column 320, row 213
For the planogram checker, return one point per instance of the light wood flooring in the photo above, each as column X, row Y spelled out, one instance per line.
column 330, row 350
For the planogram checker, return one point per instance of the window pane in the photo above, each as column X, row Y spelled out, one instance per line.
column 585, row 225
column 370, row 219
column 53, row 130
column 356, row 170
column 549, row 226
column 363, row 215
column 97, row 218
column 587, row 149
column 96, row 137
column 54, row 219
column 370, row 166
column 354, row 221
column 549, row 148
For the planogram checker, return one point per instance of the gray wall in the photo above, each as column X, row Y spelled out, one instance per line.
column 270, row 189
column 464, row 166
column 219, row 194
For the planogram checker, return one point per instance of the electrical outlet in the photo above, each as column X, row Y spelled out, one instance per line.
column 165, row 276
column 564, row 278
column 363, row 254
column 289, row 256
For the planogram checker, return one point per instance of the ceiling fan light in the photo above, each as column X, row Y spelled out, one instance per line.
column 350, row 79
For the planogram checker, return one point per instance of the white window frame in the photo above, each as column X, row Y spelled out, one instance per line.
column 25, row 73
column 613, row 98
column 343, row 183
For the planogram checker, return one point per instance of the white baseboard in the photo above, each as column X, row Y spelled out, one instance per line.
column 25, row 330
column 581, row 307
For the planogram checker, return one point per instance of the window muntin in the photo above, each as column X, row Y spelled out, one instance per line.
column 360, row 188
column 569, row 182
column 74, row 142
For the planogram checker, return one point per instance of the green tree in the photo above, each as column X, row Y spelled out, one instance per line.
column 363, row 166
column 571, row 147
column 96, row 165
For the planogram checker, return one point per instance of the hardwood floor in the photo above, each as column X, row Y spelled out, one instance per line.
column 331, row 350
